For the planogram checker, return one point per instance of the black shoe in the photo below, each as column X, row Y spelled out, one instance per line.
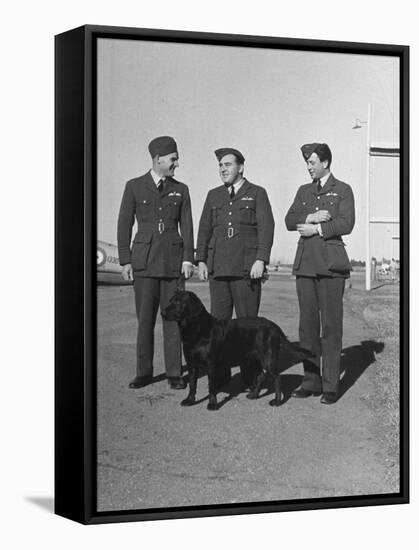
column 177, row 383
column 328, row 398
column 140, row 382
column 301, row 393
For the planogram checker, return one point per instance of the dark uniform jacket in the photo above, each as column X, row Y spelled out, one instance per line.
column 325, row 255
column 233, row 233
column 158, row 249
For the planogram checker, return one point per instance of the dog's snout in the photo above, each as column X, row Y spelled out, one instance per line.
column 169, row 313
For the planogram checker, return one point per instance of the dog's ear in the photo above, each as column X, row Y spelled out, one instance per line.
column 180, row 284
column 195, row 306
column 177, row 294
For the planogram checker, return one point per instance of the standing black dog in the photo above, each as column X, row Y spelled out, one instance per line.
column 254, row 343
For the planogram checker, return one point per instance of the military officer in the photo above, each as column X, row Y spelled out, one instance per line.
column 159, row 254
column 234, row 239
column 322, row 212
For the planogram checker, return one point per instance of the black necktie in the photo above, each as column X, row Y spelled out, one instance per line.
column 232, row 192
column 160, row 186
column 319, row 186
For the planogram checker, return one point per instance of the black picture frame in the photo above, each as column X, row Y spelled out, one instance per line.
column 75, row 272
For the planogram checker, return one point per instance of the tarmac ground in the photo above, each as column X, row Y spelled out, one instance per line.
column 153, row 453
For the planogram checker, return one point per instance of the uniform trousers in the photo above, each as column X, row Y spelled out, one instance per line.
column 227, row 292
column 150, row 293
column 320, row 330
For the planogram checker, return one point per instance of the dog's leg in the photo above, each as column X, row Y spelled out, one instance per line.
column 277, row 384
column 193, row 377
column 254, row 393
column 212, row 389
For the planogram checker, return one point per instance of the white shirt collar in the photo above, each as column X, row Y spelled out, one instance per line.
column 156, row 177
column 324, row 179
column 237, row 185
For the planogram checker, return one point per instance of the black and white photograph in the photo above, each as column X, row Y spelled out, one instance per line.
column 248, row 274
column 209, row 330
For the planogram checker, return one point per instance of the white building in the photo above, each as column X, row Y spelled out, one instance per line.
column 384, row 201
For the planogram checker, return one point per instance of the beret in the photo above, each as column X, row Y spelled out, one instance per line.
column 308, row 149
column 163, row 145
column 220, row 153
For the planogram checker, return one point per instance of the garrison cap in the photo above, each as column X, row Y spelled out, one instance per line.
column 163, row 145
column 220, row 153
column 308, row 149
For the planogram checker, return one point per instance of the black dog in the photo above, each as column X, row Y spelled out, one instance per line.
column 254, row 343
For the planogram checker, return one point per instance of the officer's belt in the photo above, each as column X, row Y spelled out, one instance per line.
column 160, row 227
column 238, row 229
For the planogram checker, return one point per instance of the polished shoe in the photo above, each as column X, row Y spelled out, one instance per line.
column 328, row 398
column 140, row 382
column 177, row 383
column 301, row 393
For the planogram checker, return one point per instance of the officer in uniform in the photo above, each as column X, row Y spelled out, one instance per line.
column 234, row 239
column 322, row 212
column 159, row 254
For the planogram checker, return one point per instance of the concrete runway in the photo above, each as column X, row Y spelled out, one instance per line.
column 154, row 453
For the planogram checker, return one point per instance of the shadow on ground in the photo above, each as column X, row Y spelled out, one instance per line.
column 355, row 360
column 46, row 503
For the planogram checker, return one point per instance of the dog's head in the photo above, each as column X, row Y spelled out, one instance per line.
column 183, row 306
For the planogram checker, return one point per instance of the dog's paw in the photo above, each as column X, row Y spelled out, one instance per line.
column 188, row 402
column 212, row 406
column 252, row 395
column 275, row 402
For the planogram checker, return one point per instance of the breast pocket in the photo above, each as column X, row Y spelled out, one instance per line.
column 248, row 214
column 172, row 208
column 331, row 204
column 215, row 214
column 144, row 210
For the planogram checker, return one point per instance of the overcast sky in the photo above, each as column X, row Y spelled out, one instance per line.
column 267, row 103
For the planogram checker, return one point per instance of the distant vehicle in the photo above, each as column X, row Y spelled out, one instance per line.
column 383, row 268
column 107, row 265
column 388, row 270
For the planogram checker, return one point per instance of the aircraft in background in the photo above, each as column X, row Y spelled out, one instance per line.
column 107, row 265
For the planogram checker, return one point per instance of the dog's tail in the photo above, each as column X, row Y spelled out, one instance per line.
column 296, row 352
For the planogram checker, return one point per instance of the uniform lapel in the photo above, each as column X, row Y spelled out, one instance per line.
column 328, row 185
column 243, row 189
column 150, row 183
column 169, row 186
column 313, row 188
